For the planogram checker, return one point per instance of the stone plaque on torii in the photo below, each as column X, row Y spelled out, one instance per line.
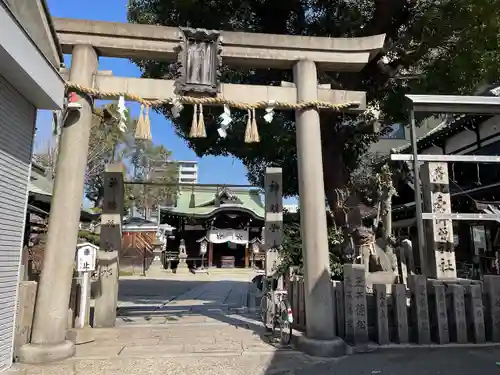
column 86, row 40
column 199, row 61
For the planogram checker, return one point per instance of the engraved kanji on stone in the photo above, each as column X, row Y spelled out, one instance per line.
column 440, row 204
column 360, row 324
column 108, row 246
column 438, row 174
column 274, row 227
column 106, row 272
column 275, row 208
column 112, row 182
column 443, row 233
column 112, row 205
column 274, row 187
column 111, row 223
column 360, row 309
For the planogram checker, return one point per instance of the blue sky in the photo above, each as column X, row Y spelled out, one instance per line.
column 211, row 169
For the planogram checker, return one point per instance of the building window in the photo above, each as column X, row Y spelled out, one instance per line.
column 395, row 131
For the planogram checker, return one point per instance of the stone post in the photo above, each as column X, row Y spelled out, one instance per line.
column 443, row 334
column 475, row 312
column 380, row 293
column 458, row 319
column 273, row 226
column 320, row 326
column 400, row 313
column 418, row 286
column 439, row 233
column 48, row 339
column 492, row 291
column 110, row 247
column 339, row 302
column 24, row 313
column 356, row 315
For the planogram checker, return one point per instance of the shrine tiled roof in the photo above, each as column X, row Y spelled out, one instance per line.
column 204, row 202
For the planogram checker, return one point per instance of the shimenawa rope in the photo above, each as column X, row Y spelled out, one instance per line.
column 198, row 130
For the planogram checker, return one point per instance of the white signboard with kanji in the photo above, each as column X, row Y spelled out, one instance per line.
column 86, row 257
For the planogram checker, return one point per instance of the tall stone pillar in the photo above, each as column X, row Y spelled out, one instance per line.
column 439, row 233
column 110, row 246
column 273, row 225
column 320, row 336
column 48, row 339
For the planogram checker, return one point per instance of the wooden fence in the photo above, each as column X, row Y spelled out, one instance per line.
column 428, row 311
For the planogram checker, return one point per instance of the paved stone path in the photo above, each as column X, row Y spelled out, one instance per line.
column 196, row 327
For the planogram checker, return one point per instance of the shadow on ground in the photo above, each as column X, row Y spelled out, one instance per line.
column 163, row 301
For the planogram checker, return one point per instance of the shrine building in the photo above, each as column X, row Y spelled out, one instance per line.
column 223, row 221
column 474, row 188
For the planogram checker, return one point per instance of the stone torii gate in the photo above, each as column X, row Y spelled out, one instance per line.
column 86, row 40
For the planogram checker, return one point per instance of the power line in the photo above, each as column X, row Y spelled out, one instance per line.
column 176, row 184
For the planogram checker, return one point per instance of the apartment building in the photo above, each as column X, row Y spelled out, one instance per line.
column 187, row 171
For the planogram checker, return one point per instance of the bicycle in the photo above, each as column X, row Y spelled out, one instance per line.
column 275, row 309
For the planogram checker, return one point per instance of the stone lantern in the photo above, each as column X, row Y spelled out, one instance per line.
column 157, row 265
column 255, row 248
column 203, row 250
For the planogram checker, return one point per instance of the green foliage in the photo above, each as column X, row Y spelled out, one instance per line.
column 149, row 163
column 90, row 237
column 291, row 253
column 108, row 144
column 446, row 46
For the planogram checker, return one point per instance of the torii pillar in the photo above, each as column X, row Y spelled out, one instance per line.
column 320, row 338
column 50, row 324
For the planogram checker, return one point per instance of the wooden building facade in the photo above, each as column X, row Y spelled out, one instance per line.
column 228, row 221
column 474, row 188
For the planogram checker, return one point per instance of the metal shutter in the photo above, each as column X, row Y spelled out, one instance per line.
column 17, row 124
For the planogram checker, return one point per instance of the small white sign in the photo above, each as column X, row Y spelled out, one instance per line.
column 86, row 257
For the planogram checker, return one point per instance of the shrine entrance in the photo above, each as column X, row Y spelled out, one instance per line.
column 198, row 86
column 229, row 255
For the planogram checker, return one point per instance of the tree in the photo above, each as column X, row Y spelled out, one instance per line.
column 150, row 164
column 107, row 144
column 46, row 157
column 447, row 46
column 291, row 254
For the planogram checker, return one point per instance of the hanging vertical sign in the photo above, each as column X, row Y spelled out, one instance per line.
column 273, row 229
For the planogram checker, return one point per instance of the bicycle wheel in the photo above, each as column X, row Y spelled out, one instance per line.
column 285, row 319
column 266, row 304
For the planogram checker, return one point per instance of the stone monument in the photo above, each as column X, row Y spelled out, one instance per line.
column 439, row 232
column 273, row 229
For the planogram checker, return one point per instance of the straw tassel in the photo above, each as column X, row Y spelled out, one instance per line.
column 248, row 129
column 147, row 125
column 202, row 132
column 251, row 131
column 254, row 130
column 193, row 133
column 139, row 127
